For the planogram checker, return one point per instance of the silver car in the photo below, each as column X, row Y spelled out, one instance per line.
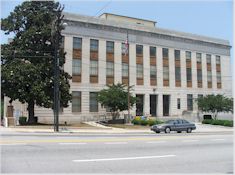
column 178, row 125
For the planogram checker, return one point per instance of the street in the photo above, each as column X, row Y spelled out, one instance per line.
column 117, row 153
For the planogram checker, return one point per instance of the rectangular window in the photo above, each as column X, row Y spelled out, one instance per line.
column 109, row 47
column 139, row 50
column 189, row 74
column 209, row 76
column 217, row 59
column 189, row 102
column 94, row 67
column 77, row 43
column 165, row 73
column 199, row 57
column 125, row 69
column 152, row 51
column 188, row 55
column 125, row 49
column 177, row 54
column 177, row 73
column 76, row 101
column 165, row 53
column 139, row 70
column 218, row 76
column 109, row 68
column 208, row 59
column 199, row 75
column 178, row 103
column 153, row 72
column 93, row 102
column 94, row 45
column 76, row 67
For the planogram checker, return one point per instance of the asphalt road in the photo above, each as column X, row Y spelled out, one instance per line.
column 112, row 153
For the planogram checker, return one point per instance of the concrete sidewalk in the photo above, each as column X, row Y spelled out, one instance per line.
column 97, row 128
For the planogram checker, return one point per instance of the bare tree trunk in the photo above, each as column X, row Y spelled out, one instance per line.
column 31, row 119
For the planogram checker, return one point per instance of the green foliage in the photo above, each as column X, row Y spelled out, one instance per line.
column 115, row 97
column 144, row 122
column 27, row 62
column 218, row 122
column 2, row 108
column 151, row 122
column 215, row 104
column 136, row 121
column 22, row 120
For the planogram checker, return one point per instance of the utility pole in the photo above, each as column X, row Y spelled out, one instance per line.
column 128, row 89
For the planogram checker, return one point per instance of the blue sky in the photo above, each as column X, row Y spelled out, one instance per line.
column 209, row 18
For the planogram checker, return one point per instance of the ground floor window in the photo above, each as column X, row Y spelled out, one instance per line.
column 189, row 102
column 76, row 101
column 93, row 102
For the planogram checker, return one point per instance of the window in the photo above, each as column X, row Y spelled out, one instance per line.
column 110, row 68
column 188, row 55
column 165, row 73
column 165, row 53
column 125, row 49
column 110, row 47
column 189, row 74
column 208, row 59
column 152, row 51
column 199, row 96
column 125, row 69
column 218, row 76
column 217, row 59
column 93, row 102
column 139, row 50
column 199, row 75
column 209, row 76
column 177, row 54
column 77, row 43
column 139, row 71
column 199, row 57
column 177, row 73
column 94, row 45
column 178, row 103
column 153, row 72
column 76, row 67
column 189, row 102
column 93, row 67
column 76, row 101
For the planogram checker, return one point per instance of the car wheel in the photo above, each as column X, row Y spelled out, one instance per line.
column 178, row 131
column 167, row 130
column 189, row 130
column 157, row 132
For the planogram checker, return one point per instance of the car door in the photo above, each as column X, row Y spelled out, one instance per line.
column 179, row 125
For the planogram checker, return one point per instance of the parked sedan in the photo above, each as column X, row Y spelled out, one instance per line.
column 178, row 125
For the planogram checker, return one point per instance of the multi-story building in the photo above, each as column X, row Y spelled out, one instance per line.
column 168, row 69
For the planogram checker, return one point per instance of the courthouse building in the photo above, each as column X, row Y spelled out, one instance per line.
column 168, row 69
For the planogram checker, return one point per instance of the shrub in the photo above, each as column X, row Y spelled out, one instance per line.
column 158, row 122
column 151, row 122
column 136, row 121
column 207, row 121
column 144, row 122
column 22, row 120
column 228, row 123
column 217, row 122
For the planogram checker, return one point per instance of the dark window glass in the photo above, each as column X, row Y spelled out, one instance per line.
column 208, row 59
column 188, row 55
column 153, row 71
column 152, row 51
column 110, row 47
column 139, row 49
column 93, row 102
column 189, row 102
column 178, row 103
column 177, row 54
column 199, row 57
column 199, row 75
column 76, row 101
column 77, row 43
column 177, row 73
column 189, row 74
column 94, row 45
column 165, row 52
column 217, row 59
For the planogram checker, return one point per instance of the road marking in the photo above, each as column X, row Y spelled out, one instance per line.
column 113, row 143
column 157, row 142
column 217, row 139
column 123, row 158
column 72, row 143
column 190, row 140
column 13, row 144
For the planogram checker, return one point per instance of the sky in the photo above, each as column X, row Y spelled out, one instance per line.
column 211, row 18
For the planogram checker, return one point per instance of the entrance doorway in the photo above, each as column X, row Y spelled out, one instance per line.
column 166, row 105
column 139, row 105
column 153, row 105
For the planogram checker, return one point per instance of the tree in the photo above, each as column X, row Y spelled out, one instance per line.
column 27, row 62
column 115, row 98
column 215, row 104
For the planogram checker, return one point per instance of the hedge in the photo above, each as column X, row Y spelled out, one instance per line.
column 144, row 122
column 218, row 122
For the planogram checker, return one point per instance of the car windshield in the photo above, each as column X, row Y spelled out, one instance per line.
column 170, row 121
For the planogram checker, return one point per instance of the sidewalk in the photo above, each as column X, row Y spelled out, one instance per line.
column 97, row 128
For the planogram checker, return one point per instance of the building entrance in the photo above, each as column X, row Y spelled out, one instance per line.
column 166, row 105
column 153, row 105
column 139, row 105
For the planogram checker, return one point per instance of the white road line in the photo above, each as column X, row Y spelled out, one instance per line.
column 13, row 144
column 190, row 140
column 72, row 143
column 123, row 158
column 217, row 139
column 156, row 142
column 114, row 143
